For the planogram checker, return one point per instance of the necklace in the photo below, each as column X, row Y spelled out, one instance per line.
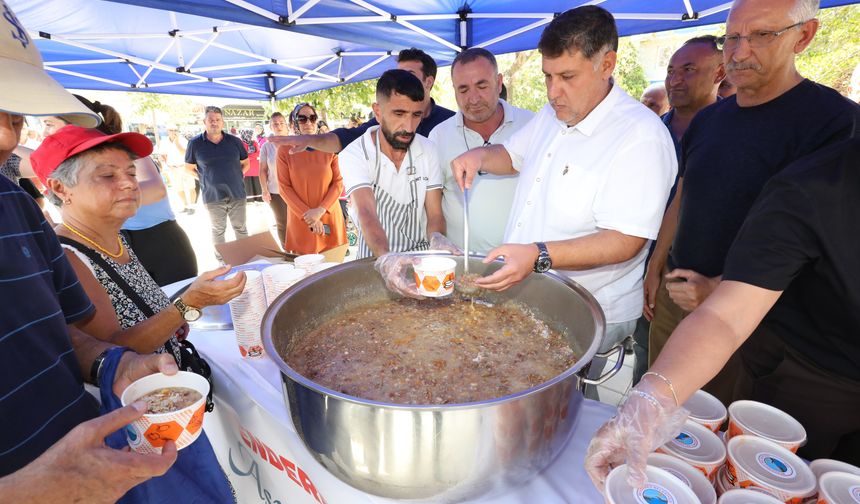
column 96, row 245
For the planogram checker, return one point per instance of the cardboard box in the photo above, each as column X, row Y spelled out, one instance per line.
column 264, row 244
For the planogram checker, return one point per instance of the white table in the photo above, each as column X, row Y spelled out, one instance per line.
column 257, row 445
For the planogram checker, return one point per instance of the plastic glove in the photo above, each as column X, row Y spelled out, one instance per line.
column 394, row 267
column 645, row 421
column 438, row 241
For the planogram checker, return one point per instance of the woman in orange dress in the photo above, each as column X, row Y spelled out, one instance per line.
column 311, row 184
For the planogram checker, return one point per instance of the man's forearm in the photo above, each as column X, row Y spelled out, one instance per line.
column 246, row 165
column 327, row 142
column 373, row 234
column 192, row 170
column 87, row 348
column 667, row 233
column 594, row 250
column 495, row 159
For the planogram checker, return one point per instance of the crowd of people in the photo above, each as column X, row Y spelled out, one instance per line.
column 712, row 219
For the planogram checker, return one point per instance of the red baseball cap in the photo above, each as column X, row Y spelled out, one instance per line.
column 71, row 140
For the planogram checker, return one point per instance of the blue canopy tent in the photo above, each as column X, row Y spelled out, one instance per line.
column 272, row 49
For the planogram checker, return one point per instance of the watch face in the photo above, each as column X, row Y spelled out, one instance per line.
column 191, row 314
column 543, row 264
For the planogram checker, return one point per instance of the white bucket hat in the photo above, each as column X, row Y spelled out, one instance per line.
column 25, row 87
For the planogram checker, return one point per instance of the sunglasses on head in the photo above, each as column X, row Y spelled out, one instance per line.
column 304, row 118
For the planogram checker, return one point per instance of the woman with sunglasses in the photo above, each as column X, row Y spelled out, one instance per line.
column 311, row 184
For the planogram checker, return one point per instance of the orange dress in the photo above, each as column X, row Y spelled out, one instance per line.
column 306, row 180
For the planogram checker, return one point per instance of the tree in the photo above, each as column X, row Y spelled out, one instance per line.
column 340, row 102
column 629, row 74
column 835, row 50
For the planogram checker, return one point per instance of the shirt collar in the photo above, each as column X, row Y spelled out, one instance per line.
column 596, row 116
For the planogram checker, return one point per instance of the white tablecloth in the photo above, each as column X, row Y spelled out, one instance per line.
column 266, row 461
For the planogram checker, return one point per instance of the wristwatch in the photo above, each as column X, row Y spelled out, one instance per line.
column 189, row 313
column 543, row 263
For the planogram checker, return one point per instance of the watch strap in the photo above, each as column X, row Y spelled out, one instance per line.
column 95, row 369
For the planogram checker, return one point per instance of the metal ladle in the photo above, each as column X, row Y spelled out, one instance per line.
column 466, row 230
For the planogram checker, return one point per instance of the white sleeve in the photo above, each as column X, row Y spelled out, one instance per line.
column 633, row 197
column 354, row 167
column 518, row 144
column 435, row 175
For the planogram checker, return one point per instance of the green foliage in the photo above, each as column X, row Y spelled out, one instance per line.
column 835, row 50
column 339, row 102
column 629, row 74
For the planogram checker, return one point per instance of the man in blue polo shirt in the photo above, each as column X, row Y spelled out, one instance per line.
column 414, row 61
column 219, row 161
column 52, row 443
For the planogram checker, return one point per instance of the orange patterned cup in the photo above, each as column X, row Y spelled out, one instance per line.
column 149, row 433
column 434, row 276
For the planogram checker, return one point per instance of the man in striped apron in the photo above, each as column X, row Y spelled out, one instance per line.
column 392, row 175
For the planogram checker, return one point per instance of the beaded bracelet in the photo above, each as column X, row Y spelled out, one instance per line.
column 668, row 382
column 645, row 395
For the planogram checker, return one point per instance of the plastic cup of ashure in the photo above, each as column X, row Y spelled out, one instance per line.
column 820, row 467
column 746, row 496
column 839, row 488
column 706, row 410
column 660, row 487
column 434, row 276
column 149, row 433
column 308, row 261
column 688, row 475
column 722, row 483
column 762, row 420
column 699, row 447
column 757, row 463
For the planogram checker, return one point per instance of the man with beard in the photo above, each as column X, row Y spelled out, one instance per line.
column 733, row 147
column 391, row 175
column 483, row 119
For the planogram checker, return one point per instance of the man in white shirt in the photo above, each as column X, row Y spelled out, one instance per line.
column 392, row 175
column 483, row 119
column 595, row 170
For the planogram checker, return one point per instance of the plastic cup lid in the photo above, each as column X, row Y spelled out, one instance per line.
column 840, row 487
column 705, row 407
column 688, row 475
column 697, row 444
column 435, row 264
column 308, row 259
column 741, row 496
column 822, row 466
column 771, row 465
column 768, row 422
column 660, row 487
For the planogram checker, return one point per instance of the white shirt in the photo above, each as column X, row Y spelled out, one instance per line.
column 491, row 195
column 269, row 152
column 613, row 171
column 418, row 174
column 175, row 157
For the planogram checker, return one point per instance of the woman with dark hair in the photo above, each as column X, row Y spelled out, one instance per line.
column 310, row 183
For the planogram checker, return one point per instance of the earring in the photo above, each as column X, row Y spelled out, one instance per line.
column 67, row 202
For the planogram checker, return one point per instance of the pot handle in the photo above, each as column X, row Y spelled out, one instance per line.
column 618, row 349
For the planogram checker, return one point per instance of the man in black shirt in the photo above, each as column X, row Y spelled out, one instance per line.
column 790, row 280
column 733, row 147
column 414, row 61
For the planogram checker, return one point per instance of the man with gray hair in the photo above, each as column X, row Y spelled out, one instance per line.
column 730, row 150
column 219, row 160
column 483, row 119
column 595, row 168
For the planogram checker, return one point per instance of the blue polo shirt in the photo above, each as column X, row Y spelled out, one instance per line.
column 218, row 166
column 437, row 115
column 42, row 395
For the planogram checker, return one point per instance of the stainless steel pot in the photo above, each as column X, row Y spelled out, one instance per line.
column 439, row 453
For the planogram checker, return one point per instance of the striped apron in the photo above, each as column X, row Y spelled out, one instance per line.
column 401, row 222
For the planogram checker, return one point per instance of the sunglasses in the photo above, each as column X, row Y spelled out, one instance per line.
column 303, row 118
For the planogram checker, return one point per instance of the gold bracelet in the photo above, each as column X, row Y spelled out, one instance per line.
column 668, row 382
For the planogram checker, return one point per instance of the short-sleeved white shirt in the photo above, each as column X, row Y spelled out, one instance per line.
column 358, row 168
column 491, row 195
column 175, row 157
column 613, row 170
column 269, row 152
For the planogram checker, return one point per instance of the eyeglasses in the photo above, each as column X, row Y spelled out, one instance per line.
column 758, row 38
column 303, row 118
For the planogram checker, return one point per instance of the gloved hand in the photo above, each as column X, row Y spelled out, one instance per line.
column 438, row 241
column 645, row 421
column 394, row 268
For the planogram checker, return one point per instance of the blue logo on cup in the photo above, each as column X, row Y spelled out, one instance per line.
column 776, row 466
column 654, row 496
column 687, row 441
column 131, row 434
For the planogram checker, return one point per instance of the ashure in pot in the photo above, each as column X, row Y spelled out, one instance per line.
column 441, row 452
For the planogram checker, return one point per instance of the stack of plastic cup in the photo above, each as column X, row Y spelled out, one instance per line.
column 757, row 463
column 308, row 261
column 279, row 278
column 323, row 266
column 688, row 475
column 699, row 447
column 660, row 487
column 758, row 419
column 839, row 488
column 706, row 410
column 247, row 310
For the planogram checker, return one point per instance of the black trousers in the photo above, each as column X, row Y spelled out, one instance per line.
column 279, row 209
column 826, row 404
column 165, row 251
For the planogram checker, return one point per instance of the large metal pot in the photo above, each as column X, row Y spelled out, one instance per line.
column 438, row 453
